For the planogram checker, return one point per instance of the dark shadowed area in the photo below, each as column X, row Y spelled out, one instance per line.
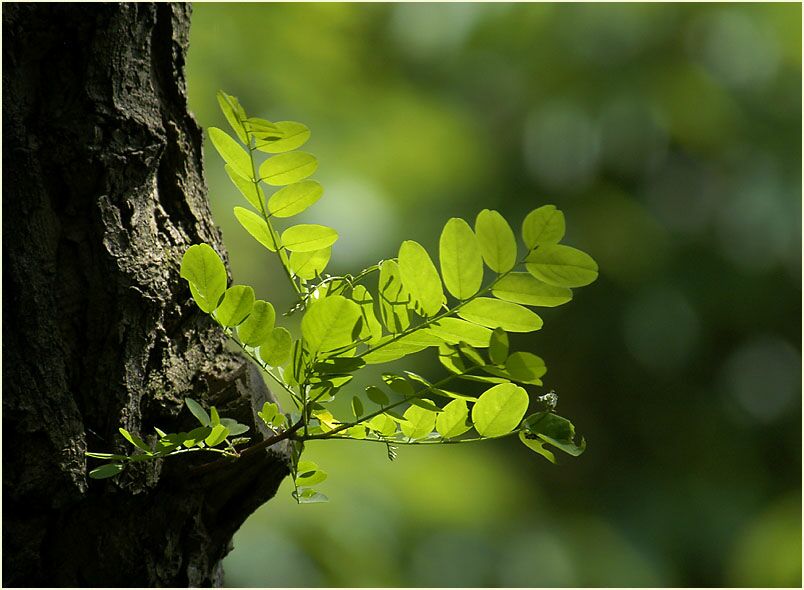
column 670, row 135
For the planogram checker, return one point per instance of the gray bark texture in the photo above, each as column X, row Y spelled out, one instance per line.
column 102, row 193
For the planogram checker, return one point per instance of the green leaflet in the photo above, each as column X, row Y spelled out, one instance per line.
column 257, row 326
column 288, row 168
column 525, row 367
column 452, row 421
column 555, row 430
column 521, row 287
column 204, row 270
column 561, row 266
column 252, row 192
column 329, row 324
column 537, row 445
column 498, row 346
column 234, row 113
column 236, row 305
column 309, row 474
column 309, row 265
column 262, row 128
column 275, row 349
column 453, row 331
column 494, row 313
column 357, row 407
column 198, row 411
column 295, row 198
column 308, row 237
column 393, row 298
column 106, row 471
column 377, row 395
column 231, row 152
column 372, row 329
column 544, row 225
column 294, row 135
column 409, row 344
column 258, row 228
column 383, row 425
column 499, row 410
column 496, row 240
column 420, row 278
column 268, row 412
column 420, row 422
column 461, row 262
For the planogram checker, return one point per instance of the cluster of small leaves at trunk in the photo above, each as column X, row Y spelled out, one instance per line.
column 463, row 309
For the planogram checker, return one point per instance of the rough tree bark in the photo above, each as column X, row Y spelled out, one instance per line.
column 102, row 193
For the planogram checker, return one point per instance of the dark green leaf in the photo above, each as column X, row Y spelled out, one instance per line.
column 496, row 240
column 258, row 325
column 106, row 471
column 327, row 324
column 234, row 427
column 357, row 407
column 498, row 346
column 377, row 396
column 275, row 349
column 197, row 411
column 134, row 440
column 236, row 305
column 555, row 430
column 308, row 237
column 257, row 227
column 499, row 410
column 494, row 313
column 537, row 445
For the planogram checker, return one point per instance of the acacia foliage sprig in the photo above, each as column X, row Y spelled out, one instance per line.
column 463, row 309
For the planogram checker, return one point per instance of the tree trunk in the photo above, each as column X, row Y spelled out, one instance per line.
column 102, row 194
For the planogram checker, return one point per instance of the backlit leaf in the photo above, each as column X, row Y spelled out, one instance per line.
column 294, row 135
column 544, row 225
column 233, row 112
column 248, row 189
column 275, row 349
column 561, row 266
column 494, row 313
column 295, row 198
column 496, row 240
column 257, row 227
column 288, row 168
column 196, row 410
column 452, row 421
column 453, row 331
column 328, row 324
column 420, row 422
column 231, row 152
column 258, row 325
column 393, row 298
column 204, row 270
column 461, row 262
column 499, row 410
column 521, row 287
column 236, row 305
column 525, row 367
column 307, row 237
column 420, row 278
column 498, row 346
column 309, row 265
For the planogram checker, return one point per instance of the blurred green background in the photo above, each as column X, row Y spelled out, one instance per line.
column 670, row 135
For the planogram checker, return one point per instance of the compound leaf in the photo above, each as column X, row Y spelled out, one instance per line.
column 521, row 287
column 454, row 330
column 420, row 422
column 258, row 325
column 561, row 266
column 203, row 269
column 199, row 412
column 307, row 237
column 234, row 113
column 544, row 225
column 258, row 228
column 236, row 305
column 537, row 445
column 106, row 471
column 420, row 278
column 499, row 410
column 496, row 240
column 498, row 346
column 377, row 395
column 309, row 265
column 461, row 262
column 295, row 198
column 494, row 313
column 288, row 168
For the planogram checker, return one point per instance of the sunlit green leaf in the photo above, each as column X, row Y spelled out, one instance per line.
column 377, row 395
column 105, row 456
column 236, row 305
column 544, row 225
column 258, row 324
column 203, row 269
column 398, row 384
column 555, row 430
column 328, row 324
column 561, row 266
column 295, row 198
column 461, row 262
column 257, row 227
column 425, row 404
column 134, row 440
column 288, row 168
column 536, row 444
column 383, row 425
column 233, row 112
column 252, row 192
column 231, row 152
column 521, row 287
column 393, row 298
column 294, row 135
column 499, row 410
column 307, row 237
column 420, row 278
column 498, row 346
column 275, row 349
column 420, row 422
column 106, row 471
column 372, row 329
column 494, row 313
column 262, row 128
column 452, row 421
column 214, row 417
column 358, row 432
column 453, row 331
column 217, row 436
column 309, row 265
column 525, row 367
column 496, row 240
